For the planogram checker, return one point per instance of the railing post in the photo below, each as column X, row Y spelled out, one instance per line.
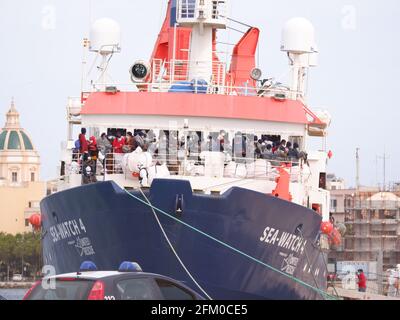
column 104, row 167
column 82, row 168
column 173, row 57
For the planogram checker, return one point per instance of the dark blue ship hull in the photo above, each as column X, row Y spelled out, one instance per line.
column 103, row 223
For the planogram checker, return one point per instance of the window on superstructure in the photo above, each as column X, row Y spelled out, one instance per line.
column 113, row 132
column 322, row 180
column 188, row 8
column 296, row 139
column 94, row 132
column 215, row 10
column 272, row 138
column 14, row 177
column 32, row 177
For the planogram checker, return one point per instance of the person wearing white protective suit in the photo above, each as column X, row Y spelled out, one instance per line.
column 138, row 163
column 141, row 163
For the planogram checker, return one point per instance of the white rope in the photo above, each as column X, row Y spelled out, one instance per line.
column 172, row 247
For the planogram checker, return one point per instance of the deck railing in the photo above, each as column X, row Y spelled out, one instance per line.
column 167, row 76
column 206, row 164
column 175, row 71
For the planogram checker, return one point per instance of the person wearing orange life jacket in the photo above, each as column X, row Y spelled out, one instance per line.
column 118, row 143
column 93, row 150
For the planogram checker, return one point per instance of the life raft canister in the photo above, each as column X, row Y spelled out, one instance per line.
column 333, row 233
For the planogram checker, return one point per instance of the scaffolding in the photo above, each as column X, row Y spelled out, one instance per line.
column 372, row 221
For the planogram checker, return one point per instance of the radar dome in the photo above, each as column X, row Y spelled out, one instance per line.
column 298, row 36
column 105, row 36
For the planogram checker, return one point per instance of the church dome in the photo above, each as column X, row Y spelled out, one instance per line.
column 19, row 161
column 12, row 136
column 15, row 140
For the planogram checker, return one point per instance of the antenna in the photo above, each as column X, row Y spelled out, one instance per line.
column 384, row 158
column 357, row 169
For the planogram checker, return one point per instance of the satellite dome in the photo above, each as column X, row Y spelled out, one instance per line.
column 105, row 36
column 298, row 36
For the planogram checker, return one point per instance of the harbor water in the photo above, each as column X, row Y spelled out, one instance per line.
column 13, row 294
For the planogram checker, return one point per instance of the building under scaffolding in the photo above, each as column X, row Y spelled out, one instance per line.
column 372, row 221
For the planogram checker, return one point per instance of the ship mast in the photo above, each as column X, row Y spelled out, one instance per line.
column 203, row 16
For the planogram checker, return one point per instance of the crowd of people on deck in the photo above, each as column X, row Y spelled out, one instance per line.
column 109, row 144
column 242, row 147
column 251, row 146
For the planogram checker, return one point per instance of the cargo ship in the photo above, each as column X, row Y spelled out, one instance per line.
column 200, row 168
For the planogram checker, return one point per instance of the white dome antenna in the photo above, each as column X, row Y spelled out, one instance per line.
column 105, row 40
column 298, row 41
column 298, row 36
column 105, row 36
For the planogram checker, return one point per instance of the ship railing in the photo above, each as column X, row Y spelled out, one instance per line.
column 248, row 90
column 173, row 76
column 175, row 71
column 209, row 164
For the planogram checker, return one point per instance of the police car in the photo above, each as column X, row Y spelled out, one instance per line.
column 128, row 283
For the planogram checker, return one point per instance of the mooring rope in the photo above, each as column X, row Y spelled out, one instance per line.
column 173, row 249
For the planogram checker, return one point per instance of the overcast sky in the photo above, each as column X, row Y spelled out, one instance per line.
column 357, row 79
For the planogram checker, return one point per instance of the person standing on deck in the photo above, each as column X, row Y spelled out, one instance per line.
column 104, row 144
column 130, row 143
column 362, row 281
column 84, row 146
column 118, row 143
